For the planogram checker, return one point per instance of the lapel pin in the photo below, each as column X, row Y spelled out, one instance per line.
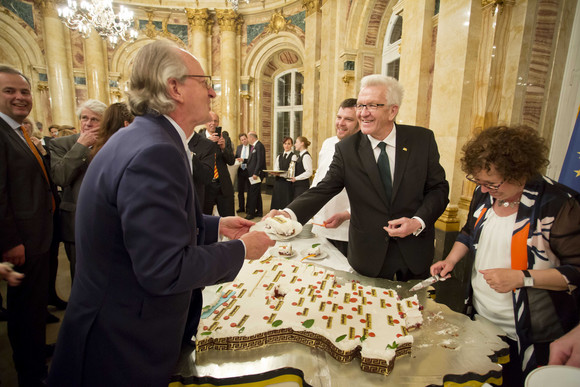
column 404, row 149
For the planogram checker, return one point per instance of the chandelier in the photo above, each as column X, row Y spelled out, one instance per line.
column 98, row 14
column 236, row 3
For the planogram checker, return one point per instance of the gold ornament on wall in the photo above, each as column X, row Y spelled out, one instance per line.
column 152, row 32
column 277, row 23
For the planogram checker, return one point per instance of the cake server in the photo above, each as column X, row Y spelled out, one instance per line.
column 427, row 282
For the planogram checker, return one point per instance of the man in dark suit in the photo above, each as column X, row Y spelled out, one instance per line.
column 203, row 162
column 145, row 250
column 242, row 154
column 220, row 190
column 256, row 166
column 391, row 232
column 26, row 210
column 69, row 162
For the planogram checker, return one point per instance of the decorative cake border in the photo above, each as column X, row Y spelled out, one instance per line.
column 310, row 339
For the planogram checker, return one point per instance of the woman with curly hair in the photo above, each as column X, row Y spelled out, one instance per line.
column 524, row 231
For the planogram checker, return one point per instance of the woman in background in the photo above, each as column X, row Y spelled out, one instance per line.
column 303, row 170
column 282, row 191
column 524, row 231
column 115, row 117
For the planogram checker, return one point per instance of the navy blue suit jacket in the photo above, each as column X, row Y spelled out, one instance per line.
column 143, row 248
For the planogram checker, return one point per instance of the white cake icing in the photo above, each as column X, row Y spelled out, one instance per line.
column 285, row 249
column 296, row 302
column 280, row 225
column 315, row 250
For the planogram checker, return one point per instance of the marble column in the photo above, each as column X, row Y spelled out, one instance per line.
column 96, row 68
column 416, row 45
column 60, row 75
column 228, row 20
column 310, row 103
column 199, row 25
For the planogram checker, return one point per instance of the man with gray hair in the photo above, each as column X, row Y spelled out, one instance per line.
column 69, row 162
column 395, row 184
column 145, row 250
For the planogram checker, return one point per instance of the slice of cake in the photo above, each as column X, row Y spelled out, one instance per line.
column 285, row 250
column 314, row 250
column 280, row 225
column 280, row 301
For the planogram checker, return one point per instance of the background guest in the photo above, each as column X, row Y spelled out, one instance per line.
column 303, row 168
column 242, row 154
column 256, row 166
column 115, row 117
column 524, row 230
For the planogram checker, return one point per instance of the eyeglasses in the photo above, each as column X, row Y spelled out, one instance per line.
column 371, row 107
column 207, row 79
column 491, row 187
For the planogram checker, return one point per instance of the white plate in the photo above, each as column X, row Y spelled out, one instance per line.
column 274, row 252
column 261, row 226
column 322, row 255
column 562, row 376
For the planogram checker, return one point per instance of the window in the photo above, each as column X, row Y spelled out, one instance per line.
column 288, row 91
column 391, row 49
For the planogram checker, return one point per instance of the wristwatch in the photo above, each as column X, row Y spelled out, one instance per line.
column 528, row 279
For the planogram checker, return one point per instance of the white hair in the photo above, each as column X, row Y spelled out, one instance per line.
column 93, row 105
column 393, row 89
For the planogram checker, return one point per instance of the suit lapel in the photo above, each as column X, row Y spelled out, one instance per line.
column 21, row 144
column 401, row 157
column 369, row 163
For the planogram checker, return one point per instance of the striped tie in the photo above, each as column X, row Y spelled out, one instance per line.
column 39, row 159
column 216, row 175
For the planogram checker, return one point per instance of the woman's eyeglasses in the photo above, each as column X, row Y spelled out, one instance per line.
column 206, row 79
column 491, row 187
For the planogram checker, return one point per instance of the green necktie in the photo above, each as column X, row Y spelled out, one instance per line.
column 385, row 170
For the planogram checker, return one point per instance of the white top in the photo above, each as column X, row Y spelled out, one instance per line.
column 494, row 252
column 337, row 204
column 307, row 163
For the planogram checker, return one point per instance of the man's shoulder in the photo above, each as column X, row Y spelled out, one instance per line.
column 66, row 141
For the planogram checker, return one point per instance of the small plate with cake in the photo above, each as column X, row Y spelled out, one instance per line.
column 282, row 251
column 313, row 253
column 278, row 227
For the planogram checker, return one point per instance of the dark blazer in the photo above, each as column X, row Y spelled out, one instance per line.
column 419, row 189
column 257, row 160
column 202, row 163
column 25, row 196
column 224, row 157
column 69, row 163
column 144, row 249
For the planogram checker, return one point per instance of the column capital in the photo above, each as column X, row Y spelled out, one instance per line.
column 48, row 8
column 312, row 6
column 198, row 18
column 227, row 19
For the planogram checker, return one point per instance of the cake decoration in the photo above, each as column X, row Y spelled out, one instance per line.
column 280, row 225
column 280, row 301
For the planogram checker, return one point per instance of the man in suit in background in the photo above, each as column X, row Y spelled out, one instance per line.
column 242, row 154
column 145, row 250
column 203, row 162
column 70, row 158
column 26, row 209
column 220, row 191
column 256, row 165
column 395, row 184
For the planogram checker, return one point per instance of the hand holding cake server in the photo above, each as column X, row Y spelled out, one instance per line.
column 395, row 184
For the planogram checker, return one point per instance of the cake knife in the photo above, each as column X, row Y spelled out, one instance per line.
column 427, row 282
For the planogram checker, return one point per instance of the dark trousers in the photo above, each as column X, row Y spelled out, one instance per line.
column 27, row 320
column 243, row 184
column 395, row 268
column 214, row 196
column 342, row 246
column 71, row 253
column 254, row 203
column 53, row 268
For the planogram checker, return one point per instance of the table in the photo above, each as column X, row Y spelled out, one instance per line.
column 449, row 347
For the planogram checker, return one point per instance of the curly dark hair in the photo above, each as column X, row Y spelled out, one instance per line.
column 517, row 153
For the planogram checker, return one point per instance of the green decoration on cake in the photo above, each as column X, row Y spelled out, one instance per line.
column 308, row 323
column 277, row 323
column 393, row 346
column 340, row 338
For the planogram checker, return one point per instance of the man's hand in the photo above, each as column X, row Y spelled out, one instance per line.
column 221, row 142
column 234, row 227
column 15, row 255
column 503, row 280
column 88, row 137
column 443, row 268
column 257, row 242
column 402, row 227
column 38, row 145
column 274, row 213
column 214, row 137
column 12, row 277
column 566, row 350
column 337, row 219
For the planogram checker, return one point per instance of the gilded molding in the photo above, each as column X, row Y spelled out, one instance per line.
column 227, row 19
column 42, row 86
column 312, row 6
column 346, row 78
column 48, row 8
column 152, row 32
column 448, row 221
column 497, row 4
column 198, row 19
column 277, row 23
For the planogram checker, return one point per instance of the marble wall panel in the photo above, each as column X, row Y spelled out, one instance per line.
column 77, row 50
column 376, row 16
column 264, row 128
column 368, row 65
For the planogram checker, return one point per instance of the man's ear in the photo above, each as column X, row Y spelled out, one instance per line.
column 393, row 110
column 174, row 89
